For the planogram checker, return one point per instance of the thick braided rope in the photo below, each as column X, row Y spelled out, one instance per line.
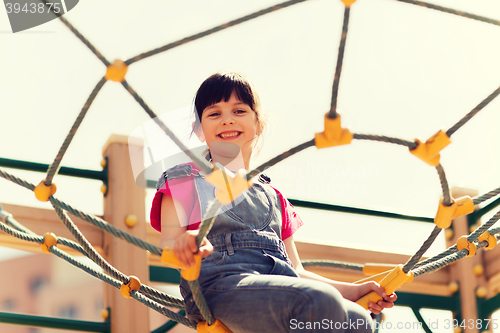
column 383, row 138
column 491, row 194
column 444, row 185
column 451, row 11
column 472, row 237
column 332, row 263
column 212, row 30
column 473, row 112
column 153, row 293
column 117, row 284
column 89, row 249
column 199, row 161
column 161, row 309
column 479, row 231
column 338, row 68
column 81, row 38
column 279, row 158
column 21, row 235
column 425, row 246
column 105, row 226
column 200, row 302
column 54, row 167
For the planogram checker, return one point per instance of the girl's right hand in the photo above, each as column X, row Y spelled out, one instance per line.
column 185, row 247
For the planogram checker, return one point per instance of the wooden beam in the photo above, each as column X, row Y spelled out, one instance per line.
column 41, row 221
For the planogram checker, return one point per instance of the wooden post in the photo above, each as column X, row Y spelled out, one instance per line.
column 462, row 270
column 124, row 198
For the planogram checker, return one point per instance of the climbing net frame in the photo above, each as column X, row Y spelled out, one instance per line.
column 333, row 135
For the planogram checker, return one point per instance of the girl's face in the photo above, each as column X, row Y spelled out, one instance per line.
column 232, row 121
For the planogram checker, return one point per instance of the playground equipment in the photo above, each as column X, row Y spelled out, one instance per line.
column 119, row 214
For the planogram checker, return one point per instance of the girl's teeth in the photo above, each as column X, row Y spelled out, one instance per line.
column 229, row 135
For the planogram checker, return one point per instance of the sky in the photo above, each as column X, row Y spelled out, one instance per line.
column 408, row 72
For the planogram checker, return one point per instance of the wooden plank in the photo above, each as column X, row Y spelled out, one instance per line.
column 41, row 221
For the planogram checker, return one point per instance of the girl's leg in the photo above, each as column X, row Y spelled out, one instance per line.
column 274, row 303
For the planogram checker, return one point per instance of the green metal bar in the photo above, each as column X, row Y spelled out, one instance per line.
column 343, row 209
column 65, row 171
column 486, row 209
column 416, row 312
column 164, row 274
column 450, row 303
column 169, row 324
column 487, row 307
column 65, row 324
column 361, row 211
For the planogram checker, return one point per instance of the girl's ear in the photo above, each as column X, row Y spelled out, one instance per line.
column 198, row 131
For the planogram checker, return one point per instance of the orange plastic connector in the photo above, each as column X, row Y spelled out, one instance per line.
column 463, row 243
column 216, row 327
column 391, row 282
column 348, row 3
column 429, row 151
column 228, row 185
column 50, row 239
column 130, row 220
column 491, row 239
column 190, row 274
column 372, row 269
column 459, row 207
column 333, row 135
column 133, row 284
column 116, row 71
column 43, row 192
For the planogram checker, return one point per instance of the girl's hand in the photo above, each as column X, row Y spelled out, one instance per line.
column 185, row 247
column 387, row 301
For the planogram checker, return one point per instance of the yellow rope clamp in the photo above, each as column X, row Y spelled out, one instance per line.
column 190, row 274
column 130, row 220
column 429, row 151
column 459, row 207
column 216, row 327
column 333, row 135
column 348, row 3
column 228, row 185
column 491, row 239
column 43, row 192
column 49, row 240
column 133, row 284
column 463, row 243
column 391, row 282
column 116, row 71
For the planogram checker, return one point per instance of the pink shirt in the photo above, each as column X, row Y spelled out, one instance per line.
column 184, row 190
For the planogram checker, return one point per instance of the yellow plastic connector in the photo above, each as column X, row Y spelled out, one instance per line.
column 429, row 151
column 116, row 71
column 333, row 135
column 133, row 284
column 481, row 292
column 478, row 270
column 216, row 327
column 105, row 314
column 130, row 220
column 491, row 239
column 372, row 269
column 463, row 243
column 391, row 282
column 190, row 274
column 43, row 192
column 348, row 3
column 459, row 207
column 228, row 185
column 453, row 287
column 49, row 240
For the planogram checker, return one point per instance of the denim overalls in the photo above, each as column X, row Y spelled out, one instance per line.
column 248, row 281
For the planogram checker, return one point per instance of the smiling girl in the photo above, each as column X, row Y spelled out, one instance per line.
column 251, row 274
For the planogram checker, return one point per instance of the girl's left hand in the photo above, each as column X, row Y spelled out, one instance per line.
column 387, row 301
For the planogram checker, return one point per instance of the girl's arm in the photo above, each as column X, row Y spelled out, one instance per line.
column 174, row 232
column 350, row 291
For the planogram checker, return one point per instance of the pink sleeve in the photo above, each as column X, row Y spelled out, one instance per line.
column 181, row 189
column 291, row 221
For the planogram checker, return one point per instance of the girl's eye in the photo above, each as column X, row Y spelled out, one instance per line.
column 213, row 114
column 240, row 111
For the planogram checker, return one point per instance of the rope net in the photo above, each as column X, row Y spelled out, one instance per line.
column 158, row 300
